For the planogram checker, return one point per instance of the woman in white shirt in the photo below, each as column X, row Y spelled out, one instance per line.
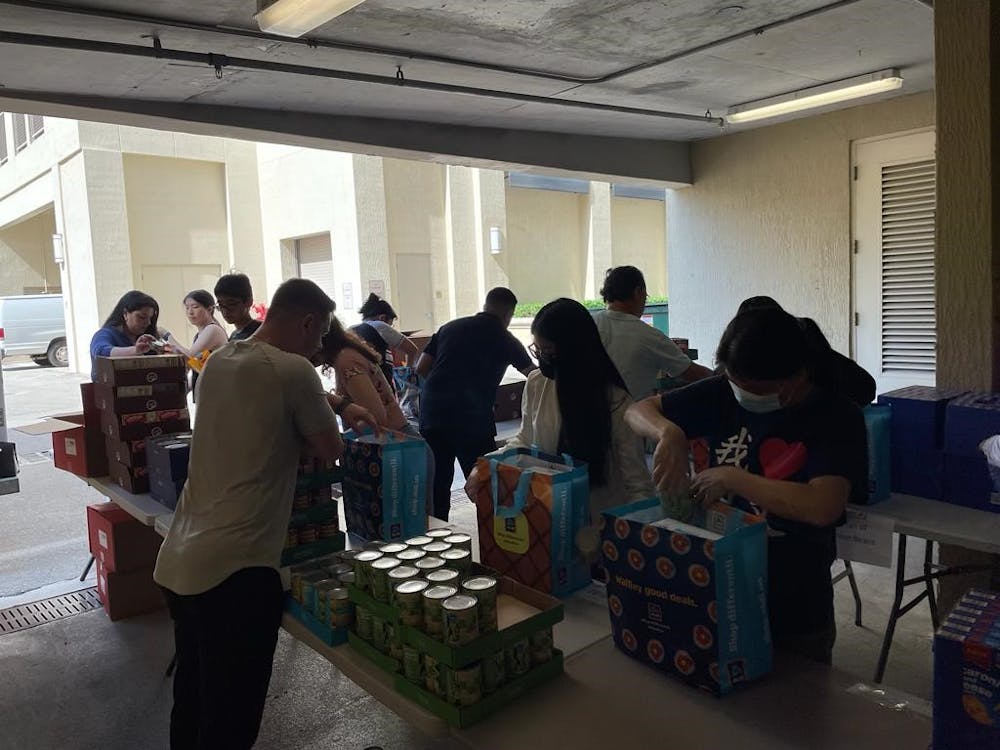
column 575, row 403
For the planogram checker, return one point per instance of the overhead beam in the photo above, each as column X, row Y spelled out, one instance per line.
column 643, row 161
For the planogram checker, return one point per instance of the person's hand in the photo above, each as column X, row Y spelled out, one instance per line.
column 144, row 343
column 670, row 466
column 474, row 483
column 711, row 485
column 359, row 418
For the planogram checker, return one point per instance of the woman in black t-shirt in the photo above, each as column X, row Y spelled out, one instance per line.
column 766, row 438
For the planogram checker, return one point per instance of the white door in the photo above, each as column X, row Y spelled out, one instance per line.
column 315, row 256
column 894, row 201
column 169, row 284
column 414, row 294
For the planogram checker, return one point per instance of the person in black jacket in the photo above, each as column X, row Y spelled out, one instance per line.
column 828, row 368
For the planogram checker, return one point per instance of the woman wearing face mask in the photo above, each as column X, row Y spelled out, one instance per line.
column 129, row 331
column 575, row 403
column 767, row 439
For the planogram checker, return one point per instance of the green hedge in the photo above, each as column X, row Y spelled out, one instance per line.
column 530, row 309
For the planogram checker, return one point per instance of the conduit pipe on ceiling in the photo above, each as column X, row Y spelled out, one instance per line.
column 220, row 62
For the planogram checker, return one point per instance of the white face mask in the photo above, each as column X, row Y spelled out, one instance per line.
column 755, row 403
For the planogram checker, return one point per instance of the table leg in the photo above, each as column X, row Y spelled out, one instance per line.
column 929, row 578
column 897, row 600
column 86, row 570
column 854, row 590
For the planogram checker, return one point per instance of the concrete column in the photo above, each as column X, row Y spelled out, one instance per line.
column 463, row 241
column 243, row 214
column 598, row 236
column 490, row 206
column 373, row 228
column 967, row 58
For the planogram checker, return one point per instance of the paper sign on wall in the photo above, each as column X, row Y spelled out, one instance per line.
column 866, row 539
column 348, row 295
column 377, row 286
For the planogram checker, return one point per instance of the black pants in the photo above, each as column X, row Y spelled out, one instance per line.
column 447, row 445
column 225, row 641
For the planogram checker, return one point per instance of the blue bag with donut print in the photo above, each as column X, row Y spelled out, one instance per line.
column 689, row 599
column 385, row 485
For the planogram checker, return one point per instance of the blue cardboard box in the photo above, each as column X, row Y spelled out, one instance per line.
column 167, row 457
column 967, row 676
column 972, row 421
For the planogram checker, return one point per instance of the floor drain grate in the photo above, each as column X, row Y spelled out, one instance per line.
column 27, row 616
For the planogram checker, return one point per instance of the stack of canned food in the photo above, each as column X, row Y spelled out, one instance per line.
column 320, row 587
column 429, row 582
column 313, row 489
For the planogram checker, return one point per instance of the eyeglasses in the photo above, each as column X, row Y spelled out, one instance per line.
column 229, row 304
column 537, row 353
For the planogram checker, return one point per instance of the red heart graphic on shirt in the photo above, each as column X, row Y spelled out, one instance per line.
column 781, row 460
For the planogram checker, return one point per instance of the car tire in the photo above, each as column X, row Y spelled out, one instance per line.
column 42, row 360
column 58, row 354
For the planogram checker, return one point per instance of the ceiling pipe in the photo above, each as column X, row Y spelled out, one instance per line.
column 425, row 57
column 219, row 62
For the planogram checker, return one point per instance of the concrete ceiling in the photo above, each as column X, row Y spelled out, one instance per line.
column 473, row 71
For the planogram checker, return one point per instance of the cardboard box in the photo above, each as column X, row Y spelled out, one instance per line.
column 507, row 405
column 128, row 594
column 118, row 541
column 146, row 370
column 969, row 480
column 167, row 457
column 420, row 339
column 129, row 399
column 144, row 424
column 134, row 479
column 77, row 444
column 166, row 492
column 128, row 452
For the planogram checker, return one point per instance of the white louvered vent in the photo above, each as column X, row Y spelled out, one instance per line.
column 36, row 126
column 908, row 322
column 316, row 261
column 3, row 138
column 20, row 132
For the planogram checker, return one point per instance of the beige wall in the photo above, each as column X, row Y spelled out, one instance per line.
column 178, row 229
column 638, row 238
column 546, row 243
column 26, row 250
column 769, row 213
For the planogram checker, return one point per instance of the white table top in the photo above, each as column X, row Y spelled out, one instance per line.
column 142, row 507
column 940, row 522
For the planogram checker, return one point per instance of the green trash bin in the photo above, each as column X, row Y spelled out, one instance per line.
column 657, row 316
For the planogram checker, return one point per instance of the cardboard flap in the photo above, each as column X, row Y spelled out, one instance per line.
column 51, row 425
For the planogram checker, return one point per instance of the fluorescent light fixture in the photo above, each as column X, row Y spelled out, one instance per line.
column 297, row 17
column 817, row 96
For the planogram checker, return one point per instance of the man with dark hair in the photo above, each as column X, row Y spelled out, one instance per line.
column 262, row 406
column 639, row 351
column 234, row 297
column 463, row 365
column 768, row 440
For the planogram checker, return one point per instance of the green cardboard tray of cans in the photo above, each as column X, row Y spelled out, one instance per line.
column 330, row 635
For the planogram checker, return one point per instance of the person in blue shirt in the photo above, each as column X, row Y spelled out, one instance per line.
column 129, row 331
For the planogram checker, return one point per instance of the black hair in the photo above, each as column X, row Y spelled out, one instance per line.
column 337, row 339
column 583, row 374
column 375, row 306
column 621, row 282
column 766, row 343
column 500, row 299
column 236, row 285
column 758, row 303
column 202, row 297
column 130, row 302
column 300, row 297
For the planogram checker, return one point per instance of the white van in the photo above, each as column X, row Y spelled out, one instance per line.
column 34, row 325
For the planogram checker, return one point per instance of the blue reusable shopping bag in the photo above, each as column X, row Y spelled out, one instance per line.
column 689, row 599
column 385, row 485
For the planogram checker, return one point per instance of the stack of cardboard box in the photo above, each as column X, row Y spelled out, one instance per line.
column 139, row 398
column 125, row 552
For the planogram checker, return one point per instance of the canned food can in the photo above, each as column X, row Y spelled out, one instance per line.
column 392, row 549
column 363, row 623
column 379, row 640
column 413, row 665
column 435, row 548
column 493, row 672
column 372, row 546
column 394, row 644
column 418, row 541
column 432, row 675
column 460, row 621
column 308, row 533
column 411, row 555
column 329, row 529
column 338, row 569
column 469, row 684
column 450, row 685
column 441, row 533
column 408, row 597
column 301, row 501
column 321, row 495
column 292, row 540
column 347, row 579
column 348, row 556
column 426, row 564
column 296, row 579
column 322, row 590
column 462, row 541
column 379, row 577
column 485, row 589
column 341, row 608
column 434, row 597
column 399, row 574
column 444, row 575
column 458, row 559
column 518, row 658
column 362, row 568
column 541, row 646
column 308, row 584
